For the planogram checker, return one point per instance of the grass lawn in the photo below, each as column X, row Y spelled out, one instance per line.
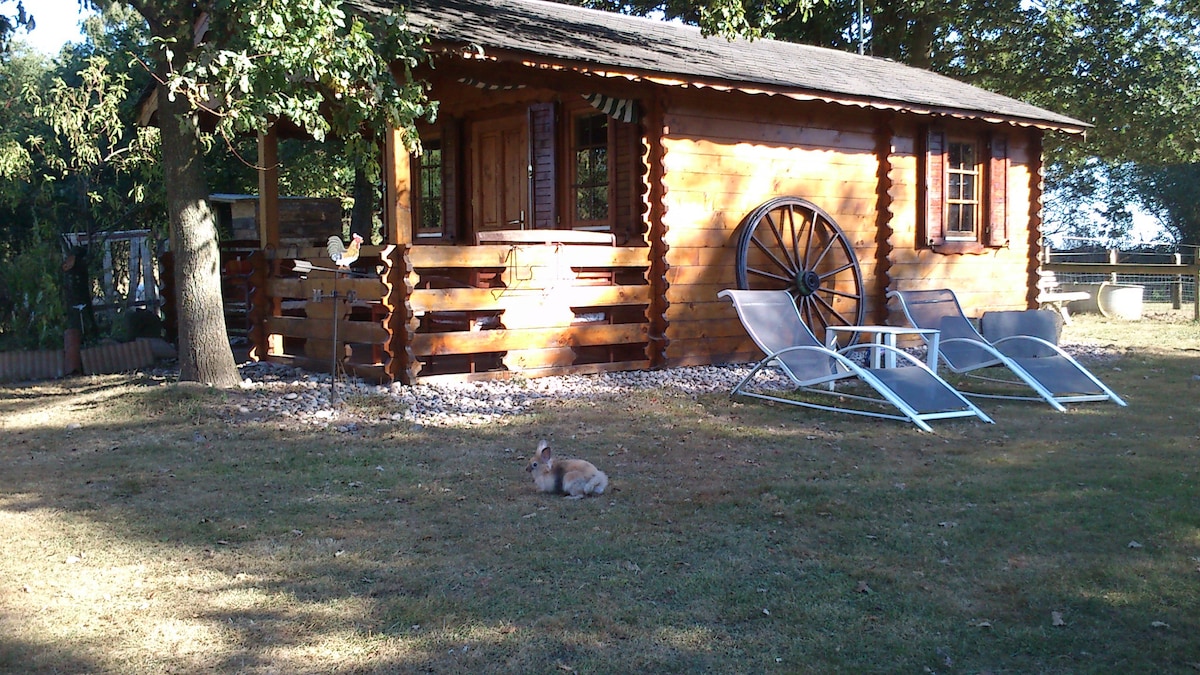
column 151, row 528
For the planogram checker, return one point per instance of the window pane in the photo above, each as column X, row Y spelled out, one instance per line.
column 968, row 156
column 590, row 181
column 963, row 201
column 430, row 186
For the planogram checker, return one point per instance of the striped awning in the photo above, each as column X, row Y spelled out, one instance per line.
column 624, row 109
column 486, row 86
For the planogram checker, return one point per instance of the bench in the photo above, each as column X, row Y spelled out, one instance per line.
column 1052, row 296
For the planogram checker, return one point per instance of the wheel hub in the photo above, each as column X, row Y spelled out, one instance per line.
column 808, row 282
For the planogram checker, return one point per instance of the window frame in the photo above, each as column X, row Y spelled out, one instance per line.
column 990, row 204
column 419, row 169
column 575, row 115
column 967, row 200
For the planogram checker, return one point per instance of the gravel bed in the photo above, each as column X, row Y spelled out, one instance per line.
column 283, row 393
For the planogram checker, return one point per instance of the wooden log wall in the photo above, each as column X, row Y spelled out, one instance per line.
column 996, row 279
column 720, row 164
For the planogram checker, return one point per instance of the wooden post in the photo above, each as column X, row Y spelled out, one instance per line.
column 1112, row 260
column 268, row 188
column 398, row 231
column 1196, row 285
column 397, row 190
column 656, row 234
column 1177, row 286
column 260, row 306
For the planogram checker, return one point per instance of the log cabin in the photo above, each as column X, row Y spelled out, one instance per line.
column 593, row 180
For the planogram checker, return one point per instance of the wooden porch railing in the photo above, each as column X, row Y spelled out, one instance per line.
column 465, row 312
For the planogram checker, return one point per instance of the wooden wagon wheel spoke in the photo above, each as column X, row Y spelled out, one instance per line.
column 787, row 267
column 829, row 247
column 792, row 244
column 843, row 320
column 833, row 273
column 843, row 294
column 777, row 232
column 767, row 275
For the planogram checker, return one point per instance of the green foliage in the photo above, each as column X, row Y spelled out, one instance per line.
column 71, row 160
column 728, row 18
column 312, row 64
column 1171, row 192
column 31, row 308
column 9, row 23
column 1129, row 67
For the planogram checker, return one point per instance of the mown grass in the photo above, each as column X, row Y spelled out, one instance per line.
column 148, row 529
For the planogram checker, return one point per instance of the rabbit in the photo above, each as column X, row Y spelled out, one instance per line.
column 574, row 478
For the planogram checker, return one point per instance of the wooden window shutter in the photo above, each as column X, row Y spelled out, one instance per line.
column 997, row 222
column 935, row 189
column 452, row 179
column 542, row 119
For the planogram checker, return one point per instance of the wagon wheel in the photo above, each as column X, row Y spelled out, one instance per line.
column 791, row 244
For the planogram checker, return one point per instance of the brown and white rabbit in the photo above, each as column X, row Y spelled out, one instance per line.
column 573, row 477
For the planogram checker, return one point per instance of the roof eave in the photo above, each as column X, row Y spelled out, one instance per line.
column 536, row 60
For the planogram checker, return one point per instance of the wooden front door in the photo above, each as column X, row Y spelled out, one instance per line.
column 500, row 174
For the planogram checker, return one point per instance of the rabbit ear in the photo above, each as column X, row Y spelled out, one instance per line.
column 543, row 450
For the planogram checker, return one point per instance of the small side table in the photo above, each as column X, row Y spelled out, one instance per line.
column 886, row 335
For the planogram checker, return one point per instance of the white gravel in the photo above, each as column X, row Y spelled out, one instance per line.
column 274, row 391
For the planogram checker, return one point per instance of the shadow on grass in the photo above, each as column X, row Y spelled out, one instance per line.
column 735, row 537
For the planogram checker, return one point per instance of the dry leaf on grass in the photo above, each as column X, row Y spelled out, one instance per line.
column 862, row 587
column 1056, row 619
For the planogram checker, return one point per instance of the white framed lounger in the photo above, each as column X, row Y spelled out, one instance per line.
column 1033, row 362
column 912, row 390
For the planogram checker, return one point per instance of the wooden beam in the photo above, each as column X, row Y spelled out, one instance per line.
column 499, row 299
column 481, row 341
column 314, row 329
column 397, row 189
column 268, row 187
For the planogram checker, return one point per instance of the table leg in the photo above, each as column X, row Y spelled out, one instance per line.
column 890, row 340
column 931, row 353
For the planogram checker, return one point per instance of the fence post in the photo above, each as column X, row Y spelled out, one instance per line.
column 1196, row 285
column 1177, row 286
column 1112, row 260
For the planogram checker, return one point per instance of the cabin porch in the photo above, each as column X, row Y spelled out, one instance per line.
column 530, row 302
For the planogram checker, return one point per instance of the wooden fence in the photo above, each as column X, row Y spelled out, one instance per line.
column 1178, row 270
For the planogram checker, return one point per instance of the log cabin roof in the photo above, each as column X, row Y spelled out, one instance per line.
column 540, row 33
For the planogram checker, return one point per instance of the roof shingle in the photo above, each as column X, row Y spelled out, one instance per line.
column 648, row 48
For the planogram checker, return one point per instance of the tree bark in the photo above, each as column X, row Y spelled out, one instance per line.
column 204, row 351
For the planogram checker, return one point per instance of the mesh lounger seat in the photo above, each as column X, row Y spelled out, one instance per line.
column 1033, row 361
column 915, row 393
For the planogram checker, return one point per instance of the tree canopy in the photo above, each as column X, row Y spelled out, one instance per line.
column 1129, row 67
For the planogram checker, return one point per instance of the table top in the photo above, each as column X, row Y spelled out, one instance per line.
column 893, row 330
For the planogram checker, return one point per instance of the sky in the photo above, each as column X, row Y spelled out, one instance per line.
column 57, row 23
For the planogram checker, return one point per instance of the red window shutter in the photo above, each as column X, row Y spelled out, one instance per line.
column 997, row 223
column 542, row 118
column 935, row 189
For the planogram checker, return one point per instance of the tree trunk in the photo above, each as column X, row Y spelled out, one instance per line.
column 204, row 351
